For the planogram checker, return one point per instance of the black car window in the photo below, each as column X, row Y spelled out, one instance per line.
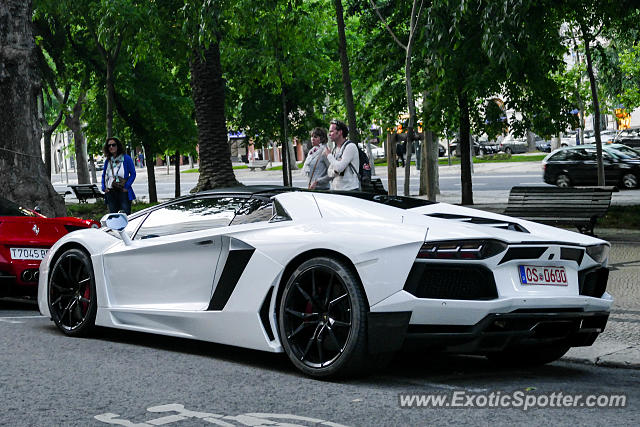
column 587, row 154
column 559, row 156
column 8, row 208
column 256, row 209
column 191, row 215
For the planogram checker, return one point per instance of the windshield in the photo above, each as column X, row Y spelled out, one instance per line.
column 622, row 152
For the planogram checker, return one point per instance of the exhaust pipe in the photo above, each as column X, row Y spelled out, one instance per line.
column 30, row 275
column 26, row 276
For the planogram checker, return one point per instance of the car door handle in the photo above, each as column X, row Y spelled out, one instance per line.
column 204, row 242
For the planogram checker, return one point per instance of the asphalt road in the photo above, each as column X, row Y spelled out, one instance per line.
column 484, row 179
column 126, row 378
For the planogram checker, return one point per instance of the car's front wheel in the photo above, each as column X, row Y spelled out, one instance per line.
column 322, row 319
column 529, row 356
column 563, row 181
column 72, row 293
column 629, row 180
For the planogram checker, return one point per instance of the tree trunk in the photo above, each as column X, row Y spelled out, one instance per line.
column 177, row 178
column 151, row 173
column 410, row 102
column 286, row 164
column 392, row 182
column 207, row 87
column 346, row 76
column 73, row 122
column 465, row 153
column 22, row 171
column 596, row 106
column 531, row 142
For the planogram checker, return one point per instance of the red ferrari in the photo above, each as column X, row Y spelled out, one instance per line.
column 25, row 238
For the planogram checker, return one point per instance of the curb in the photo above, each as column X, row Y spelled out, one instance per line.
column 611, row 354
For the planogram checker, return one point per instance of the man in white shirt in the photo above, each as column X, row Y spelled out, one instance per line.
column 344, row 160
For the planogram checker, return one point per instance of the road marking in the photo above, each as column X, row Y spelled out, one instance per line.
column 249, row 419
column 9, row 319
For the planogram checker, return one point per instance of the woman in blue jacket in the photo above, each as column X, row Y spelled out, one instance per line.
column 118, row 175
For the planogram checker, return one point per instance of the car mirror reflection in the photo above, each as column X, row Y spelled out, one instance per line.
column 115, row 221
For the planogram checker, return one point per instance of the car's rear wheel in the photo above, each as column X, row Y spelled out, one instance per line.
column 563, row 181
column 322, row 319
column 629, row 180
column 72, row 293
column 508, row 150
column 529, row 356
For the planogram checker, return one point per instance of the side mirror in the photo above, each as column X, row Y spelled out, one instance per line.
column 115, row 221
column 118, row 222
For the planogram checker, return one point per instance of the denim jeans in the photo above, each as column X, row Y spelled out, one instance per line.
column 118, row 201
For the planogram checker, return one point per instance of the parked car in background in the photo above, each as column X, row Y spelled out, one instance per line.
column 480, row 148
column 542, row 144
column 512, row 145
column 441, row 150
column 629, row 137
column 25, row 238
column 571, row 166
column 607, row 136
column 376, row 152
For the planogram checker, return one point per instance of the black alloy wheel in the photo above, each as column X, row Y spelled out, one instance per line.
column 629, row 181
column 563, row 181
column 72, row 293
column 322, row 319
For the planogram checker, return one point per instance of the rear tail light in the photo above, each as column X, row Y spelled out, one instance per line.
column 461, row 249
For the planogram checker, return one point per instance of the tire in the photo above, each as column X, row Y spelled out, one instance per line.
column 72, row 294
column 508, row 150
column 322, row 319
column 629, row 181
column 529, row 356
column 563, row 181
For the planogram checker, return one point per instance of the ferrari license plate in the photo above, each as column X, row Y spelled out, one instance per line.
column 28, row 253
column 537, row 275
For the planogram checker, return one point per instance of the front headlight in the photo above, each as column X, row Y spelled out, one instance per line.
column 599, row 253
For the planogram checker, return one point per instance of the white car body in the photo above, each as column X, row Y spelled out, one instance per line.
column 222, row 284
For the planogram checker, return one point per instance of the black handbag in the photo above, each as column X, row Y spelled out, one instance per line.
column 117, row 185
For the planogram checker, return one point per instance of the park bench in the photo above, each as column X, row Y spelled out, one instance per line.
column 86, row 191
column 262, row 164
column 578, row 206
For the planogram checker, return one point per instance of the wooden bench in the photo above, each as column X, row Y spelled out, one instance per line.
column 86, row 191
column 262, row 164
column 578, row 206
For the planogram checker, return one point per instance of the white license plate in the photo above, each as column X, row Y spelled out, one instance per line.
column 28, row 253
column 537, row 275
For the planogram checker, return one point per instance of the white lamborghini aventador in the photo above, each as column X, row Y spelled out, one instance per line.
column 336, row 281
